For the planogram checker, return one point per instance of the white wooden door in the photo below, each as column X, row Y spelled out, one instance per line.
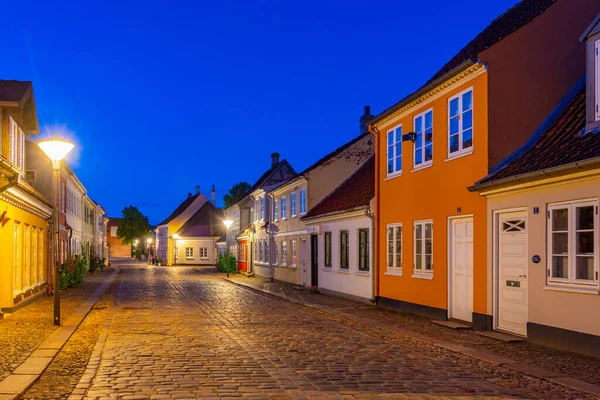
column 512, row 273
column 303, row 261
column 461, row 285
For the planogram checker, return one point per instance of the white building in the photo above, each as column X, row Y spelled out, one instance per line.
column 75, row 212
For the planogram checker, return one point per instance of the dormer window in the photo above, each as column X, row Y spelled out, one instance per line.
column 17, row 145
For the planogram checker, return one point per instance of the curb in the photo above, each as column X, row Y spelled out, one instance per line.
column 26, row 374
column 482, row 355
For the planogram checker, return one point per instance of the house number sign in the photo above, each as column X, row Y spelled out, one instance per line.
column 536, row 259
column 513, row 283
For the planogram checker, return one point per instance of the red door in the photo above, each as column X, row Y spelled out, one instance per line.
column 243, row 256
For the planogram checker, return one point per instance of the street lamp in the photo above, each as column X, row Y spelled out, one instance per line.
column 56, row 149
column 175, row 237
column 227, row 223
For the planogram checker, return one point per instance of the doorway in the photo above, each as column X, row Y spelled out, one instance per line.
column 314, row 260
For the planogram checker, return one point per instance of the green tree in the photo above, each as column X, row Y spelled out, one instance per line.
column 134, row 225
column 236, row 193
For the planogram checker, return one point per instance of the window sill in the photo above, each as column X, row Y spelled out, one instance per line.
column 459, row 155
column 393, row 272
column 363, row 273
column 292, row 266
column 393, row 175
column 327, row 269
column 422, row 275
column 419, row 168
column 582, row 290
column 343, row 271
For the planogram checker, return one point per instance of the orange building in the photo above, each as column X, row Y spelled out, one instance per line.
column 432, row 145
column 116, row 247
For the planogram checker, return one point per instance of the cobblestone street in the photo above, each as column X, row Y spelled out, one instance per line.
column 179, row 333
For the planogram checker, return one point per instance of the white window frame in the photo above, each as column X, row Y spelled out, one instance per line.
column 284, row 253
column 275, row 210
column 423, row 164
column 16, row 145
column 368, row 250
column 262, row 208
column 341, row 249
column 189, row 253
column 204, row 253
column 294, row 250
column 302, row 201
column 571, row 280
column 327, row 249
column 275, row 253
column 467, row 150
column 597, row 79
column 422, row 273
column 283, row 208
column 293, row 204
column 394, row 268
column 396, row 142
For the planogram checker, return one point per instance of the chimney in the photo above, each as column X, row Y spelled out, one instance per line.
column 189, row 194
column 364, row 120
column 274, row 160
column 213, row 196
column 197, row 189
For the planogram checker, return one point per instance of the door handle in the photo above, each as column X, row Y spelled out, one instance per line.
column 522, row 276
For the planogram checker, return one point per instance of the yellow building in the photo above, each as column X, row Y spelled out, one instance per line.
column 24, row 212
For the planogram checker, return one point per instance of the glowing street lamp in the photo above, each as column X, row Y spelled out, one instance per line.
column 227, row 223
column 175, row 237
column 56, row 149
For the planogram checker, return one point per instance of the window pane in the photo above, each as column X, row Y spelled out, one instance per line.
column 419, row 140
column 585, row 242
column 467, row 100
column 428, row 246
column 454, row 125
column 560, row 243
column 454, row 107
column 428, row 120
column 428, row 152
column 399, row 163
column 418, row 263
column 390, row 247
column 390, row 137
column 418, row 231
column 428, row 230
column 467, row 120
column 419, row 124
column 585, row 217
column 560, row 219
column 418, row 157
column 453, row 143
column 428, row 263
column 467, row 139
column 585, row 268
column 560, row 267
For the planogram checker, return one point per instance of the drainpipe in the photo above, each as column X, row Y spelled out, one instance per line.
column 377, row 212
column 369, row 213
column 269, row 231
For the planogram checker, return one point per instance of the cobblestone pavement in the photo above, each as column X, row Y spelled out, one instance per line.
column 571, row 364
column 25, row 329
column 177, row 333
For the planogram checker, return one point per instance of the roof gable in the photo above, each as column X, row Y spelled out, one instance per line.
column 206, row 222
column 19, row 94
column 592, row 29
column 180, row 209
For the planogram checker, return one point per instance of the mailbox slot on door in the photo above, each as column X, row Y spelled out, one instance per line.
column 513, row 283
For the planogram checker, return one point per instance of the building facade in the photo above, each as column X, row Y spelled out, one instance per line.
column 116, row 248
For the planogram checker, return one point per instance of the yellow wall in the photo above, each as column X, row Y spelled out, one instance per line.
column 434, row 193
column 7, row 278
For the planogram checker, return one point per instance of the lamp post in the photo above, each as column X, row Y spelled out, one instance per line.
column 56, row 149
column 149, row 241
column 227, row 223
column 175, row 237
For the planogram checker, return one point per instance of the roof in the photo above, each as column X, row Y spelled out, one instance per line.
column 561, row 139
column 180, row 209
column 13, row 92
column 356, row 191
column 263, row 179
column 206, row 222
column 510, row 21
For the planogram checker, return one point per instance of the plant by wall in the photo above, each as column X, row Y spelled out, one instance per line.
column 73, row 270
column 227, row 261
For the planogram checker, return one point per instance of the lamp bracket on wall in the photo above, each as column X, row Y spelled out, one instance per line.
column 410, row 136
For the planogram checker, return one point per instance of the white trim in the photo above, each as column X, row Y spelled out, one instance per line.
column 571, row 289
column 467, row 153
column 449, row 255
column 395, row 144
column 422, row 275
column 394, row 269
column 392, row 176
column 418, row 272
column 363, row 273
column 423, row 164
column 393, row 273
column 291, row 233
column 462, row 151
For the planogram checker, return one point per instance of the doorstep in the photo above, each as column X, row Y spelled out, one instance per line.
column 503, row 337
column 453, row 324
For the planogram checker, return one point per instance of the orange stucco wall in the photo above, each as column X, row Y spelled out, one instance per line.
column 434, row 193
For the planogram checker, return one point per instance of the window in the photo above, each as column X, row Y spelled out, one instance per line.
column 266, row 250
column 261, row 256
column 17, row 256
column 41, row 277
column 423, row 246
column 255, row 250
column 597, row 80
column 275, row 253
column 283, row 253
column 30, row 175
column 394, row 150
column 34, row 256
column 573, row 238
column 203, row 253
column 394, row 247
column 294, row 254
column 363, row 249
column 423, row 124
column 283, row 208
column 460, row 124
column 16, row 145
column 328, row 249
column 275, row 210
column 344, row 253
column 293, row 204
column 189, row 252
column 302, row 201
column 27, row 264
column 262, row 208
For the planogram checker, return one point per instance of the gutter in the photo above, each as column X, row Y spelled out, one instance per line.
column 590, row 163
column 371, row 216
column 377, row 222
column 310, row 218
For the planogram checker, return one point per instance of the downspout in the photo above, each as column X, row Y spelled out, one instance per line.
column 373, row 130
column 269, row 231
column 371, row 216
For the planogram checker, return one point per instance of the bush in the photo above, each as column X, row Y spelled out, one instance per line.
column 72, row 272
column 96, row 263
column 138, row 254
column 224, row 260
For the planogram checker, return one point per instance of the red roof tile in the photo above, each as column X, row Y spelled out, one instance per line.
column 560, row 140
column 356, row 191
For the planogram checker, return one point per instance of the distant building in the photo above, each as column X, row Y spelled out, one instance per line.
column 116, row 247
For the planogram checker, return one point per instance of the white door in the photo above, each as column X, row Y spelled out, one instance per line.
column 303, row 261
column 512, row 272
column 461, row 268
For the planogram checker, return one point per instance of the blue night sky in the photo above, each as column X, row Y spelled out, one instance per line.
column 163, row 96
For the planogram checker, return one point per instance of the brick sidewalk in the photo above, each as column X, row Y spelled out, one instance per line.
column 567, row 364
column 24, row 330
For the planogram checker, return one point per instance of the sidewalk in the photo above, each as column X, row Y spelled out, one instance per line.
column 570, row 369
column 26, row 329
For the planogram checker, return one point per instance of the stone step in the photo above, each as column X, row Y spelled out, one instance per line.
column 452, row 324
column 504, row 337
